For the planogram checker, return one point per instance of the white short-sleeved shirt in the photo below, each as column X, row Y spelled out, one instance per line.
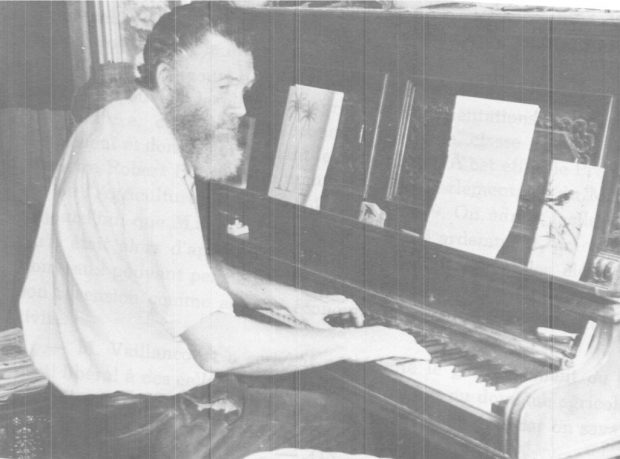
column 119, row 268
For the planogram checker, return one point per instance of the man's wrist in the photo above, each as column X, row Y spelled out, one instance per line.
column 351, row 342
column 286, row 299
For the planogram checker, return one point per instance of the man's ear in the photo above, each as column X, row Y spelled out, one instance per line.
column 165, row 79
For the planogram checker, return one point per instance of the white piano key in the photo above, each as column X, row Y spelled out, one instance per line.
column 464, row 388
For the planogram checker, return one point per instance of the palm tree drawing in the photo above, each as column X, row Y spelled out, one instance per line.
column 293, row 110
column 308, row 113
column 300, row 112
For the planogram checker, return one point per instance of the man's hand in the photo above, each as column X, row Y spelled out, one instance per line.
column 312, row 308
column 377, row 343
column 259, row 293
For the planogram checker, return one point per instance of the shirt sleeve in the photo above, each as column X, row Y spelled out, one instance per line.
column 181, row 287
column 159, row 242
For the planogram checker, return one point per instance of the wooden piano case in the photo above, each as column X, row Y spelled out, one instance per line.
column 570, row 68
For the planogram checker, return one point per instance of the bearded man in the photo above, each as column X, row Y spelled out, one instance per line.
column 122, row 310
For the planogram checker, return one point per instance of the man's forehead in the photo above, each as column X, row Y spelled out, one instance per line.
column 217, row 57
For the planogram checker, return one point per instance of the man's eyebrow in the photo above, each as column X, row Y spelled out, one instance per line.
column 228, row 78
column 232, row 78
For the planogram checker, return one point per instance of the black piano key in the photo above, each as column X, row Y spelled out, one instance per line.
column 491, row 378
column 471, row 368
column 456, row 359
column 501, row 375
column 482, row 368
column 450, row 352
column 492, row 368
column 474, row 360
column 513, row 380
column 464, row 363
column 505, row 379
column 371, row 321
column 429, row 342
column 435, row 348
column 446, row 354
column 417, row 334
column 442, row 357
column 402, row 362
column 509, row 384
column 510, row 375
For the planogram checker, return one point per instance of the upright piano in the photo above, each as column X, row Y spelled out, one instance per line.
column 525, row 364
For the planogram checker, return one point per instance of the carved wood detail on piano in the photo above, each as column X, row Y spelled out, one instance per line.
column 614, row 231
column 606, row 270
column 573, row 413
column 582, row 136
column 570, row 128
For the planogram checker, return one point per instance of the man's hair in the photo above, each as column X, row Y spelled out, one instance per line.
column 184, row 27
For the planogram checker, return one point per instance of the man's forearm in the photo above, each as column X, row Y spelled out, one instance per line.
column 226, row 343
column 254, row 291
column 308, row 307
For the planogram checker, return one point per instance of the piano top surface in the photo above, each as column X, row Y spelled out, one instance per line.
column 471, row 9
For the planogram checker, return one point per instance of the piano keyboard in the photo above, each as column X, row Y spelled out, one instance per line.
column 455, row 372
column 458, row 373
column 448, row 379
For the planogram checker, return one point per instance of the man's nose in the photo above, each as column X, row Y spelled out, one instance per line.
column 237, row 106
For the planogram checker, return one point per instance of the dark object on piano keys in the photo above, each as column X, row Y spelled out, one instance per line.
column 492, row 388
column 340, row 320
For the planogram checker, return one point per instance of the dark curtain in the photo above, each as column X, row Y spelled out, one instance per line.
column 35, row 55
column 36, row 86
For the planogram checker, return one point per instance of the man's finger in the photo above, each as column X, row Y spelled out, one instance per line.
column 353, row 309
column 341, row 305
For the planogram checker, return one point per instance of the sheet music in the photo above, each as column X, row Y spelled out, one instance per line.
column 477, row 199
column 306, row 142
column 566, row 224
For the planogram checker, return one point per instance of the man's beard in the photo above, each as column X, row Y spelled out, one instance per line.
column 212, row 151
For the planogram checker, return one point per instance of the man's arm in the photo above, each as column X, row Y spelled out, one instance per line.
column 259, row 293
column 223, row 342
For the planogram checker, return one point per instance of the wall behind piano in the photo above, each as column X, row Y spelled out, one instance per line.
column 35, row 95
